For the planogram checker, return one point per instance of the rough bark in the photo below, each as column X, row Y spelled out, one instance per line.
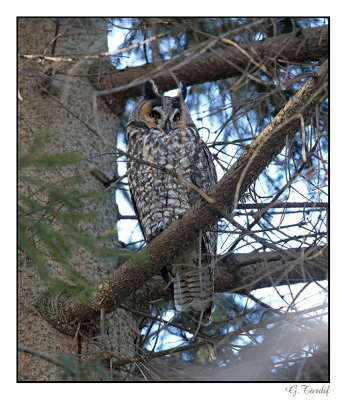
column 134, row 273
column 37, row 110
column 211, row 64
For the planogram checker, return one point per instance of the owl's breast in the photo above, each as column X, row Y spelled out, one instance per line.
column 160, row 198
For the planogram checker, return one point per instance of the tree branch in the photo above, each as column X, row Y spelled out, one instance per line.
column 242, row 273
column 211, row 65
column 62, row 311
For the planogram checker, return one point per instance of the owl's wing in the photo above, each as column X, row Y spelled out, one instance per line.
column 203, row 175
column 203, row 172
column 137, row 214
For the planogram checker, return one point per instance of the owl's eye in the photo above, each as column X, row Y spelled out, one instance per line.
column 155, row 115
column 177, row 117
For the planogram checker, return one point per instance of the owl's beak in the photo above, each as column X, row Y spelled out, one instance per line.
column 167, row 126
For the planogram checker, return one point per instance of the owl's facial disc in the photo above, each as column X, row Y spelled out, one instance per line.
column 166, row 121
column 162, row 112
column 176, row 115
column 157, row 114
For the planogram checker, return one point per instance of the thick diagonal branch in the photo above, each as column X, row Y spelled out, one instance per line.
column 134, row 273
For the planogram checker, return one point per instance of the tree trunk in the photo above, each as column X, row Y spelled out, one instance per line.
column 37, row 110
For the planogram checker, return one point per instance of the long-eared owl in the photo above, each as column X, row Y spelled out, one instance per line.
column 161, row 130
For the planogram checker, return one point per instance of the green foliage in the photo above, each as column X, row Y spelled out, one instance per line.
column 49, row 214
column 94, row 370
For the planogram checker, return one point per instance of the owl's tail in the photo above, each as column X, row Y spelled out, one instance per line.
column 193, row 284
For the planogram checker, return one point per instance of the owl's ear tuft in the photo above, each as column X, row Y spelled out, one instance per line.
column 150, row 90
column 182, row 90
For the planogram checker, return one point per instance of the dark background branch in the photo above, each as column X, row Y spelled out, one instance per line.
column 241, row 273
column 211, row 65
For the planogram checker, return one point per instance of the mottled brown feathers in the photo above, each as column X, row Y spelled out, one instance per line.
column 160, row 130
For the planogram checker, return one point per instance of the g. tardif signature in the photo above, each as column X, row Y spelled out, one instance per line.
column 308, row 389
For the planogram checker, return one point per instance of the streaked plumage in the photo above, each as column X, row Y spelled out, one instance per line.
column 160, row 130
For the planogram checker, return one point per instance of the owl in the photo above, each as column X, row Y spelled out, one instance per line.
column 160, row 130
